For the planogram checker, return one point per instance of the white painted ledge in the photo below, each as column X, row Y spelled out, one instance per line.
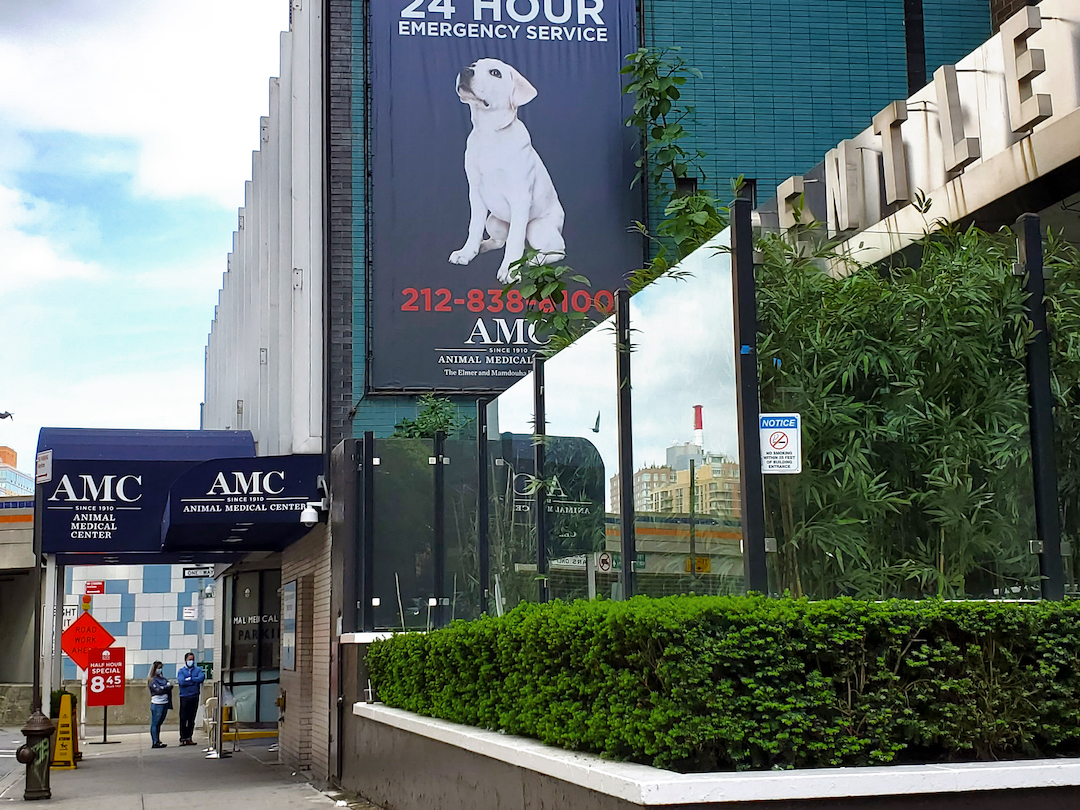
column 644, row 785
column 362, row 638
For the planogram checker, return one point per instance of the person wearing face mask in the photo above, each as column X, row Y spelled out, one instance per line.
column 160, row 702
column 190, row 678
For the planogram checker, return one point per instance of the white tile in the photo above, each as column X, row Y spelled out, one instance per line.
column 143, row 614
column 135, row 585
column 170, row 599
column 134, row 630
column 176, row 629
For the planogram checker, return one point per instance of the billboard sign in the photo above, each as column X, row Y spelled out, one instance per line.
column 497, row 127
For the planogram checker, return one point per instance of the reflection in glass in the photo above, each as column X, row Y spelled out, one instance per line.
column 686, row 448
column 462, row 585
column 404, row 571
column 582, row 456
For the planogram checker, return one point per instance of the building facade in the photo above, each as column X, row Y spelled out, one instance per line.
column 12, row 480
column 291, row 350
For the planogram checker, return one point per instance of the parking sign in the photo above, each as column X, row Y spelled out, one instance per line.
column 105, row 677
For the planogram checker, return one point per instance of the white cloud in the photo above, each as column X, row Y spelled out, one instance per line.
column 28, row 255
column 138, row 398
column 186, row 81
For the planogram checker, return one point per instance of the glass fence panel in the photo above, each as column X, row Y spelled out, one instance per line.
column 462, row 585
column 909, row 378
column 580, row 385
column 685, row 432
column 404, row 565
column 511, row 528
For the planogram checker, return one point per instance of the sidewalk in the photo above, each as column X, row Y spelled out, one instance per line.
column 130, row 775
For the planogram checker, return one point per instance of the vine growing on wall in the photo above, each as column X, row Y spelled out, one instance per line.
column 669, row 168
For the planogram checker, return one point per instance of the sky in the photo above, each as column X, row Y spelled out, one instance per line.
column 683, row 355
column 126, row 133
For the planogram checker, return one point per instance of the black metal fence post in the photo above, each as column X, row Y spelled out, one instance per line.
column 626, row 442
column 1041, row 409
column 752, row 491
column 540, row 464
column 483, row 506
column 439, row 536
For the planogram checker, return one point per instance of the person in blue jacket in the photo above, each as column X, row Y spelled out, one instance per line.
column 190, row 678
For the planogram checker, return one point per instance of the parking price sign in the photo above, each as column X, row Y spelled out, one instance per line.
column 781, row 443
column 105, row 677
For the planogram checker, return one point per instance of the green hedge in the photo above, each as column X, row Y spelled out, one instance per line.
column 715, row 683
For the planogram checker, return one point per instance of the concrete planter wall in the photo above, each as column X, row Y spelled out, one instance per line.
column 403, row 761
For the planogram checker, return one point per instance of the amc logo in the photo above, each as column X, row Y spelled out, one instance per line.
column 106, row 489
column 255, row 483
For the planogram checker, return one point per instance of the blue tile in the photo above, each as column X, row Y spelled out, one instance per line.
column 127, row 607
column 157, row 579
column 169, row 669
column 140, row 671
column 69, row 574
column 210, row 626
column 191, row 628
column 155, row 635
column 70, row 671
column 116, row 628
column 193, row 585
column 116, row 586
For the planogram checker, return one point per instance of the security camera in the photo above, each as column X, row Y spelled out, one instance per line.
column 310, row 516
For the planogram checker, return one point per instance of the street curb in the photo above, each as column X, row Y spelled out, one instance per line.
column 9, row 781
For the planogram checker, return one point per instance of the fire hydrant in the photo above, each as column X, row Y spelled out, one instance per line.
column 34, row 754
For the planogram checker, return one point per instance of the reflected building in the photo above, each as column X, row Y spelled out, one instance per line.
column 716, row 489
column 646, row 481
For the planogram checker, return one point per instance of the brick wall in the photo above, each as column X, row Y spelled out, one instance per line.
column 1001, row 10
column 304, row 737
column 340, row 216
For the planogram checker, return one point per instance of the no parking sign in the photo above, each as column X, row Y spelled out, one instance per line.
column 781, row 443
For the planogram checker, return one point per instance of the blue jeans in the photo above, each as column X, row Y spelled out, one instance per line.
column 157, row 717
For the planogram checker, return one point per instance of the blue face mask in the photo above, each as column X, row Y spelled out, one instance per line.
column 190, row 662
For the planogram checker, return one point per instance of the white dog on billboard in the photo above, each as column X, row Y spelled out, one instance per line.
column 511, row 195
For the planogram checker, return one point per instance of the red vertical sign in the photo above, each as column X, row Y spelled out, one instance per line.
column 105, row 677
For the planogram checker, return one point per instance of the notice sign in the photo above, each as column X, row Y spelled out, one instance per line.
column 105, row 677
column 781, row 443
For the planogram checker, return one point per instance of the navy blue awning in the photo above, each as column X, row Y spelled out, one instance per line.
column 250, row 504
column 109, row 488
